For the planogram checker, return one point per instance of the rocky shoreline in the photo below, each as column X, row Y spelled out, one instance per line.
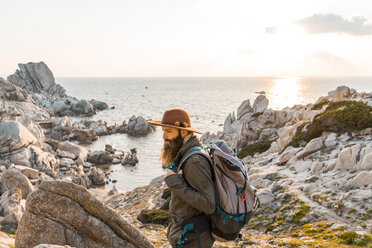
column 312, row 166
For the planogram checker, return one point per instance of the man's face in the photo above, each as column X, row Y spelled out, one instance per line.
column 172, row 143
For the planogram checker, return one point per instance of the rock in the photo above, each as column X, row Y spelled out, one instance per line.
column 244, row 108
column 43, row 161
column 265, row 196
column 116, row 161
column 268, row 134
column 100, row 157
column 288, row 153
column 260, row 104
column 130, row 158
column 340, row 93
column 52, row 246
column 65, row 154
column 10, row 92
column 85, row 135
column 363, row 178
column 347, row 158
column 60, row 106
column 10, row 208
column 83, row 107
column 28, row 172
column 317, row 168
column 97, row 176
column 286, row 134
column 13, row 136
column 36, row 77
column 12, row 179
column 6, row 241
column 80, row 152
column 109, row 148
column 154, row 216
column 331, row 140
column 64, row 213
column 22, row 157
column 313, row 146
column 138, row 126
column 230, row 119
column 98, row 104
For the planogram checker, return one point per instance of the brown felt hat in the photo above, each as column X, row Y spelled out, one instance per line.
column 176, row 118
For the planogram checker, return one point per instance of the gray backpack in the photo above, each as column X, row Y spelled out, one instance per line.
column 235, row 197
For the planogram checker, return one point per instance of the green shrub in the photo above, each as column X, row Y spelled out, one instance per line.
column 259, row 147
column 319, row 105
column 339, row 117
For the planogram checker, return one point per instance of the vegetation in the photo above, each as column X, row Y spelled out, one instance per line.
column 343, row 116
column 320, row 105
column 259, row 147
column 153, row 216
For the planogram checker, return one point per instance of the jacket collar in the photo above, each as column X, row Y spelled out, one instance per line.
column 189, row 142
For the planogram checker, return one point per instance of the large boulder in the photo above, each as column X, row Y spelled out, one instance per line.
column 62, row 213
column 36, row 77
column 286, row 134
column 340, row 93
column 80, row 152
column 363, row 178
column 347, row 158
column 260, row 104
column 13, row 136
column 313, row 146
column 98, row 104
column 100, row 157
column 243, row 109
column 138, row 126
column 13, row 179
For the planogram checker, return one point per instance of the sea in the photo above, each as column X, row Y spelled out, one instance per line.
column 208, row 100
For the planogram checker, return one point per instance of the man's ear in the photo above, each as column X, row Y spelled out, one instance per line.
column 184, row 133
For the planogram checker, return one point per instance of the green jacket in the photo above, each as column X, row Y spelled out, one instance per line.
column 190, row 191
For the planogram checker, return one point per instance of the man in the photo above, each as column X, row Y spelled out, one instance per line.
column 192, row 189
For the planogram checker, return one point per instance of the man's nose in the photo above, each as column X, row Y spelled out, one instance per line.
column 164, row 136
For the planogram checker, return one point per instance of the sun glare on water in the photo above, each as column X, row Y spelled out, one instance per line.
column 285, row 92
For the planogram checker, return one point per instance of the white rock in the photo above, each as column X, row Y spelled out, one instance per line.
column 363, row 178
column 28, row 172
column 313, row 146
column 260, row 104
column 265, row 196
column 288, row 153
column 244, row 108
column 331, row 140
column 12, row 178
column 13, row 135
column 341, row 93
column 348, row 157
column 286, row 134
column 22, row 157
column 80, row 152
column 317, row 168
column 366, row 162
column 65, row 154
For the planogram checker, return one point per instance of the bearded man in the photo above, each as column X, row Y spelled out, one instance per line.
column 192, row 189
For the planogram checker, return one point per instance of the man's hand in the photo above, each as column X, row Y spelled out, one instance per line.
column 171, row 172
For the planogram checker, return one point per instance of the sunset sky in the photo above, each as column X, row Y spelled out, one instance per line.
column 119, row 38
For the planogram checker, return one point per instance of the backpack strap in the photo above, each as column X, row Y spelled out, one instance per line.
column 192, row 151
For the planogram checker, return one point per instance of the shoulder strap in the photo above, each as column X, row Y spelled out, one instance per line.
column 192, row 151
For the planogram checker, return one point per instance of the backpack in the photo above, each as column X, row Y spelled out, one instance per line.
column 235, row 197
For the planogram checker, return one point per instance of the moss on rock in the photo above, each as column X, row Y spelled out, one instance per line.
column 153, row 216
column 259, row 147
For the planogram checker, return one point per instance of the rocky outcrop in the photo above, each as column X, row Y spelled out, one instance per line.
column 36, row 77
column 138, row 126
column 88, row 223
column 130, row 158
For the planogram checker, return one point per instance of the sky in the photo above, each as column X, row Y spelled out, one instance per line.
column 174, row 38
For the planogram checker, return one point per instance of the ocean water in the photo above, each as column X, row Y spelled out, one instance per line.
column 207, row 100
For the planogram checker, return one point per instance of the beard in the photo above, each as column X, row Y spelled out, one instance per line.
column 170, row 149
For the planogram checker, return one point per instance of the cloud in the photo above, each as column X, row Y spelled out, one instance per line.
column 271, row 29
column 332, row 23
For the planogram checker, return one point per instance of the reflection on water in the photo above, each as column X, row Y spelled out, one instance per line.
column 285, row 92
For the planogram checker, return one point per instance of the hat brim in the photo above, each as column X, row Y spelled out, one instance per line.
column 158, row 123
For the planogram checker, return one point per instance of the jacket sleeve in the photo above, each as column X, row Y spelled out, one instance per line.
column 198, row 189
